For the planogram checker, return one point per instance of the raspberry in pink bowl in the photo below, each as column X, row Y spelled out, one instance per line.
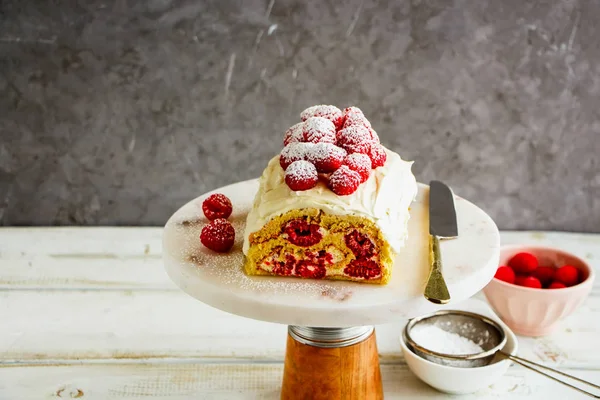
column 532, row 310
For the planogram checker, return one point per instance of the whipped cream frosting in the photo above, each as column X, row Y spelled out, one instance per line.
column 384, row 198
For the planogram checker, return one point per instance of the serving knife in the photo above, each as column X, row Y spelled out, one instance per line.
column 442, row 225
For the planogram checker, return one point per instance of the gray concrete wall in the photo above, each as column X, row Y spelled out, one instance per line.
column 117, row 112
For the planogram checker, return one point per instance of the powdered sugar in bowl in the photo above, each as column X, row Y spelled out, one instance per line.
column 459, row 379
column 455, row 338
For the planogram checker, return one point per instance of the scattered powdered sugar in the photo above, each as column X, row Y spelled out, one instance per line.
column 436, row 339
column 301, row 170
column 319, row 129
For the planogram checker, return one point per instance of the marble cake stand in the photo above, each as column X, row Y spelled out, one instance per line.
column 331, row 351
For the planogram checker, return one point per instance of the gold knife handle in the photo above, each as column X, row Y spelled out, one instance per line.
column 436, row 290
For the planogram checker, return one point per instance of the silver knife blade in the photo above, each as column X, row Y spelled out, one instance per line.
column 442, row 213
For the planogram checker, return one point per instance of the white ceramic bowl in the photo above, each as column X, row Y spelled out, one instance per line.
column 456, row 380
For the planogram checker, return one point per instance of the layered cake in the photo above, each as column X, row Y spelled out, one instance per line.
column 334, row 204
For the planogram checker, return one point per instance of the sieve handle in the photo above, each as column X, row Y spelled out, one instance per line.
column 529, row 364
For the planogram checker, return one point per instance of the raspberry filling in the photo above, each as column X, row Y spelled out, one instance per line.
column 316, row 264
column 323, row 257
column 286, row 267
column 314, row 267
column 301, row 233
column 366, row 269
column 307, row 269
column 360, row 244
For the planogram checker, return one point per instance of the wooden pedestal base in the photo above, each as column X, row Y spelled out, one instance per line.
column 338, row 373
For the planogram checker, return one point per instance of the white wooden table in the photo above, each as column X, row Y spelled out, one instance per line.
column 89, row 313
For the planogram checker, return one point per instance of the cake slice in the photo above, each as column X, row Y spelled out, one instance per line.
column 333, row 205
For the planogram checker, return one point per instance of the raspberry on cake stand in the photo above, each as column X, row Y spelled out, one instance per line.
column 331, row 349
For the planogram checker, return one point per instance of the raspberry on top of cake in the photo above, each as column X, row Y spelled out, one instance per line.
column 334, row 204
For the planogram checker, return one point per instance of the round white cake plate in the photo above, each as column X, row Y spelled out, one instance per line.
column 469, row 263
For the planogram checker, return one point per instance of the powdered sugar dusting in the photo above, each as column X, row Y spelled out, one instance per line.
column 360, row 163
column 374, row 135
column 326, row 157
column 301, row 170
column 301, row 175
column 294, row 134
column 356, row 119
column 357, row 160
column 353, row 111
column 294, row 152
column 344, row 181
column 355, row 134
column 297, row 151
column 319, row 129
column 323, row 151
column 342, row 175
column 332, row 113
column 320, row 110
column 355, row 139
column 377, row 155
column 437, row 339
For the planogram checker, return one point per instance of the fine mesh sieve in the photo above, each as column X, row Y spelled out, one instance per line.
column 485, row 332
column 477, row 328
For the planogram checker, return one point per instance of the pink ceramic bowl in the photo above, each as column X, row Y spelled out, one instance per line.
column 536, row 312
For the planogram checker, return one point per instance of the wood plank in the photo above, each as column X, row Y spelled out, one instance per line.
column 82, row 258
column 109, row 242
column 234, row 381
column 130, row 258
column 125, row 273
column 67, row 325
column 50, row 326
